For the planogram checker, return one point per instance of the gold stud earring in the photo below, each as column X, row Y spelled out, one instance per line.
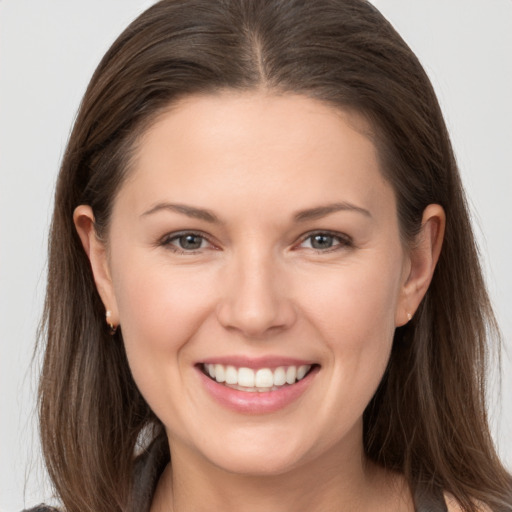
column 111, row 327
column 409, row 317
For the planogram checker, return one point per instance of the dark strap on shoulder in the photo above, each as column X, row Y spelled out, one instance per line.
column 429, row 499
column 148, row 468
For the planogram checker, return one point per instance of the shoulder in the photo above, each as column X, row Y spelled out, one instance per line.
column 41, row 508
column 453, row 505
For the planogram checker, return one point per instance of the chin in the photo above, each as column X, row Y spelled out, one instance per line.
column 258, row 465
column 246, row 455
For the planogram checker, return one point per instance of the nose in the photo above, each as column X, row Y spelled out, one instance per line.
column 255, row 300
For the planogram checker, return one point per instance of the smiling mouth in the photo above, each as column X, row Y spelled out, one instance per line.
column 256, row 380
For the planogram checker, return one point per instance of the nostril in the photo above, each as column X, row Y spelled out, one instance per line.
column 256, row 318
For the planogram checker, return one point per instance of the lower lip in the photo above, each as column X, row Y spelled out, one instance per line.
column 265, row 402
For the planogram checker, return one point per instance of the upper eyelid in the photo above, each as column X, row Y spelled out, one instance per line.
column 170, row 237
column 344, row 242
column 177, row 234
column 334, row 234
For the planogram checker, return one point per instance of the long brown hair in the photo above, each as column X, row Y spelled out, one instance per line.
column 428, row 417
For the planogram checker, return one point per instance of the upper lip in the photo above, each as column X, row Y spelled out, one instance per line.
column 256, row 362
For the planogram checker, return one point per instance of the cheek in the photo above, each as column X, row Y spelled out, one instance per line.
column 160, row 309
column 355, row 313
column 355, row 304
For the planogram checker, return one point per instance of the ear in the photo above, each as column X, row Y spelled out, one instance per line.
column 83, row 217
column 423, row 257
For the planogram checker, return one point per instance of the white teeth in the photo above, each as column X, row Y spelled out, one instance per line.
column 231, row 375
column 219, row 373
column 291, row 374
column 263, row 379
column 279, row 376
column 245, row 377
column 301, row 372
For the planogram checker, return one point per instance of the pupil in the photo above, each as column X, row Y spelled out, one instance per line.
column 321, row 241
column 190, row 242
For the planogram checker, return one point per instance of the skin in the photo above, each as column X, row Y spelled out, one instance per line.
column 257, row 287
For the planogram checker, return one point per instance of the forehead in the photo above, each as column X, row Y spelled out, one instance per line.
column 260, row 114
column 225, row 144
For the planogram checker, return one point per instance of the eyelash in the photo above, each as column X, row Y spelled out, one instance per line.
column 343, row 241
column 167, row 241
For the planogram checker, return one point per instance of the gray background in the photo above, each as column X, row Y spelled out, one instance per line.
column 48, row 51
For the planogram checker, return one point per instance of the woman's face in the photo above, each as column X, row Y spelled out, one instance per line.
column 256, row 240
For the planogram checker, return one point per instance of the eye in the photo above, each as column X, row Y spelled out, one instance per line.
column 325, row 241
column 185, row 242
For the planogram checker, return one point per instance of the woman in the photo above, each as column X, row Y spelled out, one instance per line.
column 262, row 279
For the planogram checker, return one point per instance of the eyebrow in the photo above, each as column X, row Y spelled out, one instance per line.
column 301, row 216
column 322, row 211
column 189, row 211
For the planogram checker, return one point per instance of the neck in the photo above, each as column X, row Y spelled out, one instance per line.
column 339, row 480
